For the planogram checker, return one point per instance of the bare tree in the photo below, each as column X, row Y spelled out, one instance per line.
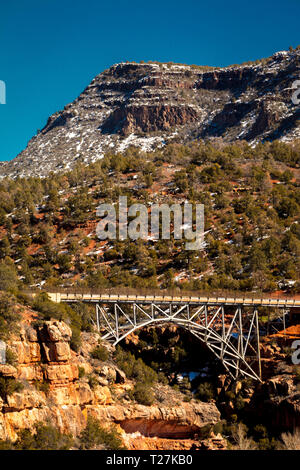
column 242, row 442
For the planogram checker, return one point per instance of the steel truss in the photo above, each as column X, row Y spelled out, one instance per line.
column 233, row 337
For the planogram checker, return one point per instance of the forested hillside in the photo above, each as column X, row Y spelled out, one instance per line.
column 251, row 198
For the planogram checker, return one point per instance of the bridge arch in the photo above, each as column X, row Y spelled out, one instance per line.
column 233, row 339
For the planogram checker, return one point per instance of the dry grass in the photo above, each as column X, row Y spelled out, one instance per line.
column 290, row 441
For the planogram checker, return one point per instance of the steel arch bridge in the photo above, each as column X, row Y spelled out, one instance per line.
column 233, row 338
column 227, row 324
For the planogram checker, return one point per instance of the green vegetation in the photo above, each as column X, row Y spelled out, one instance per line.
column 8, row 317
column 100, row 353
column 11, row 357
column 252, row 206
column 95, row 435
column 92, row 381
column 251, row 198
column 48, row 437
column 77, row 317
column 143, row 394
column 137, row 370
column 42, row 386
column 45, row 437
column 134, row 368
column 8, row 386
column 8, row 276
column 81, row 372
column 205, row 391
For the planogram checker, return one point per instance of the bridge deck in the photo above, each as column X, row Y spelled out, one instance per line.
column 193, row 300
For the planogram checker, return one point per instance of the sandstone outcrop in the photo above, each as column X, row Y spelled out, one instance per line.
column 53, row 392
column 138, row 442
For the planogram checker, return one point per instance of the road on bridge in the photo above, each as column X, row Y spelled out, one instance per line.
column 245, row 300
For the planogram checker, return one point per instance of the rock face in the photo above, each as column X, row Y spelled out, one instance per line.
column 276, row 400
column 138, row 442
column 131, row 119
column 53, row 392
column 179, row 422
column 148, row 105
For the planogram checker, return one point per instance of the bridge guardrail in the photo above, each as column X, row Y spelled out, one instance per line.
column 58, row 297
column 170, row 292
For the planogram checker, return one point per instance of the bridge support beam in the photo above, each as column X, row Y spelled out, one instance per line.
column 233, row 336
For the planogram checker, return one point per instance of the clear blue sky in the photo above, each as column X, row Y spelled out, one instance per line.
column 51, row 49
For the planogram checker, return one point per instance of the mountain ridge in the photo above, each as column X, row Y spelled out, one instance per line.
column 150, row 104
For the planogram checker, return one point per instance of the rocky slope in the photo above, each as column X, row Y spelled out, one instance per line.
column 148, row 105
column 56, row 391
column 53, row 392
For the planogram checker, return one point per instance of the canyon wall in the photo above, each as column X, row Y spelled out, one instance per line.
column 53, row 392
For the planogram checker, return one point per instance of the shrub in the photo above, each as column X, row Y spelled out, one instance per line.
column 8, row 386
column 162, row 378
column 8, row 277
column 290, row 441
column 75, row 342
column 42, row 386
column 95, row 435
column 92, row 381
column 218, row 428
column 11, row 357
column 205, row 392
column 185, row 385
column 205, row 432
column 187, row 398
column 85, row 312
column 49, row 309
column 6, row 445
column 143, row 394
column 81, row 372
column 100, row 353
column 240, row 438
column 44, row 437
column 134, row 368
column 8, row 316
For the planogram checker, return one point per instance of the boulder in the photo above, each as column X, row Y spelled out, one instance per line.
column 8, row 371
column 26, row 399
column 55, row 331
